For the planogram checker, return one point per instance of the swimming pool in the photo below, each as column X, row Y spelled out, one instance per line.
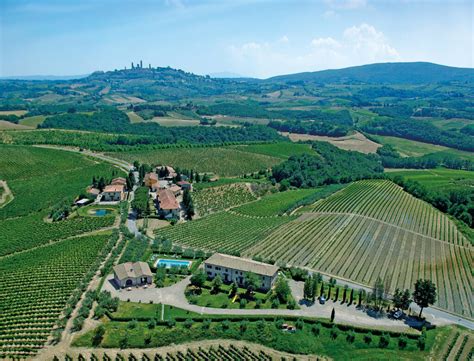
column 100, row 212
column 168, row 263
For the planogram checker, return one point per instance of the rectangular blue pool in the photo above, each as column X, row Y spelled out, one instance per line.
column 168, row 263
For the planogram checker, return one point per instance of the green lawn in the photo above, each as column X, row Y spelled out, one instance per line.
column 222, row 300
column 313, row 337
column 141, row 311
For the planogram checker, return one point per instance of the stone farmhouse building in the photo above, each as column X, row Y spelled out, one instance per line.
column 132, row 274
column 150, row 179
column 168, row 205
column 113, row 193
column 232, row 268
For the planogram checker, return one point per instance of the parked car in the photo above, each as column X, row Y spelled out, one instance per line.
column 322, row 300
column 397, row 314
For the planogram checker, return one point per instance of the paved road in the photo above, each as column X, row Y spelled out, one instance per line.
column 174, row 296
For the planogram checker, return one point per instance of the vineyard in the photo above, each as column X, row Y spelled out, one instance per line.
column 215, row 199
column 36, row 286
column 280, row 150
column 373, row 228
column 31, row 231
column 224, row 161
column 224, row 231
column 213, row 352
column 277, row 203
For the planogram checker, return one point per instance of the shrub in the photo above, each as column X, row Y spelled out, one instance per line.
column 188, row 323
column 316, row 329
column 291, row 305
column 350, row 337
column 206, row 324
column 299, row 324
column 151, row 323
column 275, row 303
column 384, row 340
column 334, row 332
column 171, row 323
column 132, row 324
column 243, row 326
column 402, row 342
column 243, row 303
column 258, row 303
column 368, row 338
column 225, row 324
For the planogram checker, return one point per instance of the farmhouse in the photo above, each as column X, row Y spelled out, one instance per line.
column 166, row 172
column 232, row 268
column 168, row 205
column 93, row 192
column 150, row 178
column 113, row 193
column 132, row 274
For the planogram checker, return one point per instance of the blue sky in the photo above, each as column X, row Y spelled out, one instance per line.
column 257, row 38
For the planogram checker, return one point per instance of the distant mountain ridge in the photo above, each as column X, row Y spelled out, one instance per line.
column 383, row 73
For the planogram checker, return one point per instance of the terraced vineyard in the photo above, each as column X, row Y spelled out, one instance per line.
column 373, row 228
column 215, row 199
column 228, row 232
column 36, row 286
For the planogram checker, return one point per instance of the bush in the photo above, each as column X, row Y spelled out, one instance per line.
column 384, row 340
column 402, row 342
column 243, row 303
column 291, row 305
column 171, row 323
column 206, row 324
column 368, row 338
column 334, row 332
column 225, row 324
column 258, row 303
column 275, row 303
column 132, row 324
column 243, row 326
column 188, row 323
column 299, row 324
column 151, row 324
column 316, row 329
column 350, row 337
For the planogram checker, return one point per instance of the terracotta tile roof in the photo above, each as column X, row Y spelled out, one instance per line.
column 150, row 177
column 112, row 188
column 167, row 199
column 92, row 190
column 242, row 264
column 174, row 188
column 181, row 183
column 132, row 270
column 119, row 180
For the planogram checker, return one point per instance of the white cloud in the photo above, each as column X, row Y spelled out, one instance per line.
column 357, row 45
column 284, row 39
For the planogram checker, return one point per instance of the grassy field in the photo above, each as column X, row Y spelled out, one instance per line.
column 215, row 199
column 411, row 148
column 33, row 121
column 371, row 229
column 441, row 179
column 4, row 125
column 223, row 161
column 356, row 142
column 13, row 112
column 223, row 231
column 134, row 117
column 36, row 287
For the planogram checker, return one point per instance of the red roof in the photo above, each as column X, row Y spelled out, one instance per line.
column 182, row 183
column 112, row 188
column 167, row 199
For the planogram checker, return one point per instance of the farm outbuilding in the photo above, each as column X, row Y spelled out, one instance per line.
column 132, row 274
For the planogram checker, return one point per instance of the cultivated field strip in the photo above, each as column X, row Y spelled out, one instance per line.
column 224, row 231
column 39, row 283
column 387, row 202
column 362, row 249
